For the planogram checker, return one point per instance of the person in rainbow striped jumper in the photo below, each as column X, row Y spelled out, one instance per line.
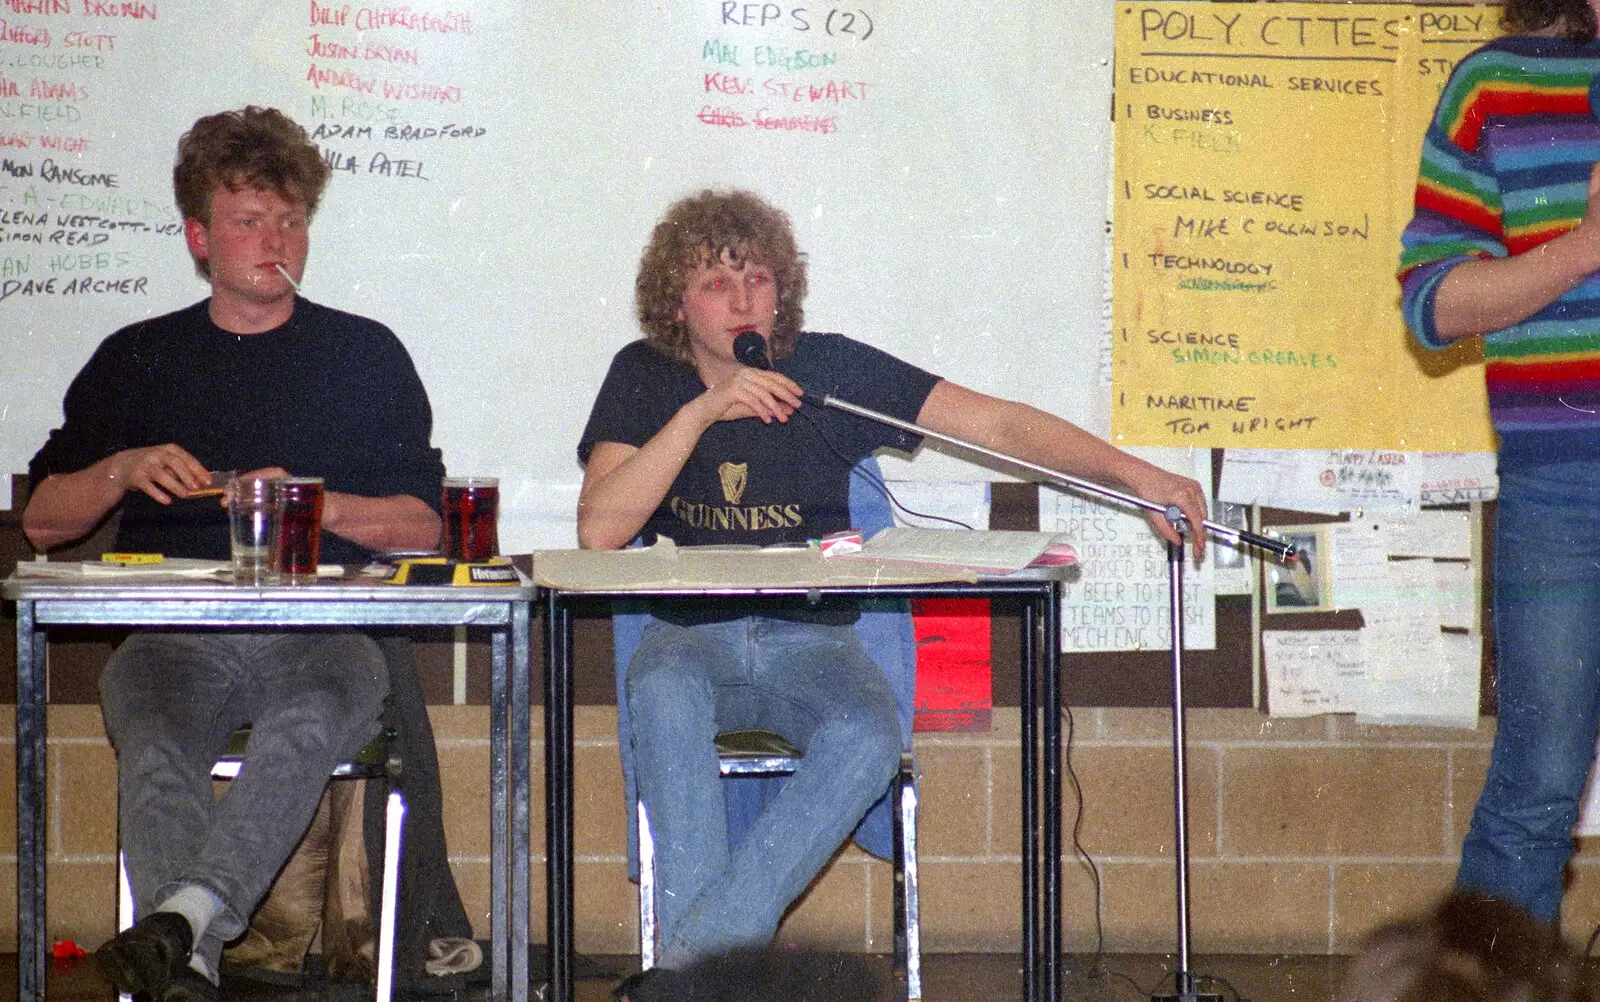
column 1505, row 245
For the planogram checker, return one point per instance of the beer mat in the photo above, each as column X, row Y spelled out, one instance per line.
column 993, row 551
column 434, row 570
column 667, row 565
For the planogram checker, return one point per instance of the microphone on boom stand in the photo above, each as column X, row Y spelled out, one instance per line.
column 750, row 348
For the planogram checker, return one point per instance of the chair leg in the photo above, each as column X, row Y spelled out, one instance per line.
column 394, row 815
column 907, row 918
column 647, row 891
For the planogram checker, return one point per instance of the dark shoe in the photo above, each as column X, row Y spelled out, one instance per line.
column 646, row 986
column 147, row 957
column 189, row 985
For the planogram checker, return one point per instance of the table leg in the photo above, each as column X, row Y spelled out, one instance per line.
column 499, row 879
column 1030, row 806
column 558, row 795
column 31, row 846
column 1050, row 640
column 520, row 684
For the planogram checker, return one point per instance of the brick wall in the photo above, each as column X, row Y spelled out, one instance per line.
column 1304, row 833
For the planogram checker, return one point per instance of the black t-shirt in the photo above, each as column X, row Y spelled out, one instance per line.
column 750, row 482
column 329, row 394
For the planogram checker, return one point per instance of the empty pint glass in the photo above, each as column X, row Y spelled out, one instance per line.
column 297, row 541
column 471, row 517
column 252, row 516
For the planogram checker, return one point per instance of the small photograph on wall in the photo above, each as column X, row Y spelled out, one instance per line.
column 1301, row 584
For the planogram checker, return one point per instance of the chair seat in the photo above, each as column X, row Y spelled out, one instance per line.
column 375, row 760
column 755, row 752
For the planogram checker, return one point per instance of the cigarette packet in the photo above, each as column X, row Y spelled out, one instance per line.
column 836, row 544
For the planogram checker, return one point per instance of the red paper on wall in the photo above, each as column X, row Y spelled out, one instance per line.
column 954, row 687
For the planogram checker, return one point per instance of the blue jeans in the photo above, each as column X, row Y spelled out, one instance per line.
column 1547, row 649
column 172, row 699
column 812, row 684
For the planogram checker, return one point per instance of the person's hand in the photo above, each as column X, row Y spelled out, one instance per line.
column 758, row 393
column 1155, row 484
column 164, row 472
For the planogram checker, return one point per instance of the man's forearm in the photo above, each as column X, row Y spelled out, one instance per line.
column 66, row 506
column 397, row 522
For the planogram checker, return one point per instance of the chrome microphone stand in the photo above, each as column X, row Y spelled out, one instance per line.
column 750, row 349
column 1186, row 982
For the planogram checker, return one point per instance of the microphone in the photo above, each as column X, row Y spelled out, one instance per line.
column 750, row 348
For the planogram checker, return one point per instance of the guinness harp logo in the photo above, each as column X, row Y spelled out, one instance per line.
column 735, row 477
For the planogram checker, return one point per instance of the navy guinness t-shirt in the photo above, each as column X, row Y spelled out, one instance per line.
column 755, row 483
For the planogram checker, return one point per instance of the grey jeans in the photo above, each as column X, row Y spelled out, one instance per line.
column 171, row 700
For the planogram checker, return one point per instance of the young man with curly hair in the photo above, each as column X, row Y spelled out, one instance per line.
column 253, row 378
column 685, row 442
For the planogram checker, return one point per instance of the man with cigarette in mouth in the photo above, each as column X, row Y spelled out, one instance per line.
column 253, row 378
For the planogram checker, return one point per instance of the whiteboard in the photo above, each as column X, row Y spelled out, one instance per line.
column 499, row 166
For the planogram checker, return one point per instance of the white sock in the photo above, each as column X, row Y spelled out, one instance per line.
column 197, row 904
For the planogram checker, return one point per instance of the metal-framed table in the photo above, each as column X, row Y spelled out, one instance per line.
column 168, row 601
column 1040, row 596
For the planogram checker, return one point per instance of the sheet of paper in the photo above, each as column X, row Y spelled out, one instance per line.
column 1416, row 673
column 1358, row 565
column 1311, row 671
column 1333, row 481
column 1441, row 692
column 172, row 567
column 1361, row 549
column 1119, row 600
column 1445, row 534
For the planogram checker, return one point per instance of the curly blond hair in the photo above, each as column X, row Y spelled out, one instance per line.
column 704, row 228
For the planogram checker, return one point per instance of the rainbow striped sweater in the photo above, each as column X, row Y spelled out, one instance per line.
column 1505, row 167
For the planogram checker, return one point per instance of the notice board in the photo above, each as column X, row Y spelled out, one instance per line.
column 1265, row 158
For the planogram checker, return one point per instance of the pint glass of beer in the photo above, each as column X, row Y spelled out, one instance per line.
column 471, row 517
column 297, row 539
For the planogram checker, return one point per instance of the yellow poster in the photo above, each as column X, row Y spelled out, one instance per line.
column 1265, row 158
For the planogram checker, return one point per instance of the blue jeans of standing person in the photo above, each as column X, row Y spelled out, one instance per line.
column 171, row 700
column 1547, row 652
column 811, row 683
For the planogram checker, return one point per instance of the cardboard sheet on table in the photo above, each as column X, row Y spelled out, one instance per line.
column 667, row 565
column 988, row 551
